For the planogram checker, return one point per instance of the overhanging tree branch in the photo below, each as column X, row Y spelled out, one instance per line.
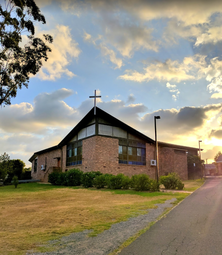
column 18, row 63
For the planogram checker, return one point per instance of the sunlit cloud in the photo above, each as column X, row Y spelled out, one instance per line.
column 173, row 89
column 64, row 49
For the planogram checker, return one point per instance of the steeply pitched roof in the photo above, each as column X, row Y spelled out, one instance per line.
column 106, row 116
column 114, row 122
column 84, row 122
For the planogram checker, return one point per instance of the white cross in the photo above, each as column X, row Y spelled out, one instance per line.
column 95, row 96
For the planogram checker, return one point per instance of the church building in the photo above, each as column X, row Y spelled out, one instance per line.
column 101, row 142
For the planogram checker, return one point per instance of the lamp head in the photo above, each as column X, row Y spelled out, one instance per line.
column 157, row 117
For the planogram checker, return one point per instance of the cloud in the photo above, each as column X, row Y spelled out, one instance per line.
column 216, row 95
column 64, row 49
column 105, row 51
column 216, row 133
column 195, row 12
column 213, row 35
column 173, row 89
column 48, row 109
column 186, row 121
column 127, row 36
column 131, row 99
column 165, row 71
column 176, row 29
column 26, row 128
column 209, row 153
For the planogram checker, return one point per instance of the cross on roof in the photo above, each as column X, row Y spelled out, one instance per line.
column 95, row 96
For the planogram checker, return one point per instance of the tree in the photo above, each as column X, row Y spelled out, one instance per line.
column 217, row 156
column 17, row 166
column 10, row 167
column 18, row 62
column 195, row 166
column 5, row 166
column 4, row 157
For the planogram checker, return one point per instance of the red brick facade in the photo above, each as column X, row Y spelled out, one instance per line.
column 100, row 153
column 48, row 160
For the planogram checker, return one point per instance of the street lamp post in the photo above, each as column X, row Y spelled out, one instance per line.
column 156, row 148
column 200, row 141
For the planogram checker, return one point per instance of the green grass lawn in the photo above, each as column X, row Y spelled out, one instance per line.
column 34, row 213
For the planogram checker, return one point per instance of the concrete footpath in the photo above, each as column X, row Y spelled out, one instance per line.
column 193, row 227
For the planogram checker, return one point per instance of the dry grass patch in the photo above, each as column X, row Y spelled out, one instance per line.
column 192, row 185
column 28, row 218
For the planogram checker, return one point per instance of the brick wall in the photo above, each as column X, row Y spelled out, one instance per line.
column 173, row 160
column 101, row 154
column 51, row 162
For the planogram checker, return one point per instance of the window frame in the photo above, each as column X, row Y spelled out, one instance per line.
column 132, row 152
column 74, row 153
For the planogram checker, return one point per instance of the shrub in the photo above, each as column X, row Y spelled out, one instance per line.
column 15, row 181
column 171, row 181
column 107, row 179
column 52, row 178
column 74, row 177
column 141, row 182
column 61, row 179
column 115, row 181
column 100, row 181
column 180, row 185
column 126, row 182
column 134, row 180
column 154, row 185
column 87, row 179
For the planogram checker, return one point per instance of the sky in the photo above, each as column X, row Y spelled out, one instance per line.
column 145, row 58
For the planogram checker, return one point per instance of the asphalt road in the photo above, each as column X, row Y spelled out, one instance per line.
column 193, row 227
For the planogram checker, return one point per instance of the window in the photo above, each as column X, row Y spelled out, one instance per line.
column 132, row 155
column 74, row 154
column 86, row 132
column 35, row 164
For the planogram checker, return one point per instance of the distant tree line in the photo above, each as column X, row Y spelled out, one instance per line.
column 12, row 167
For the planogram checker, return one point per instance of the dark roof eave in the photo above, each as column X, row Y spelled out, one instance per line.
column 178, row 146
column 43, row 151
column 111, row 119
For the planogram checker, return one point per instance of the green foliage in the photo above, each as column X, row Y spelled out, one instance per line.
column 88, row 177
column 134, row 181
column 180, row 185
column 4, row 166
column 15, row 181
column 194, row 159
column 52, row 178
column 4, row 157
column 126, row 182
column 171, row 181
column 74, row 177
column 154, row 185
column 61, row 179
column 141, row 182
column 26, row 175
column 15, row 169
column 19, row 61
column 100, row 181
column 116, row 181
